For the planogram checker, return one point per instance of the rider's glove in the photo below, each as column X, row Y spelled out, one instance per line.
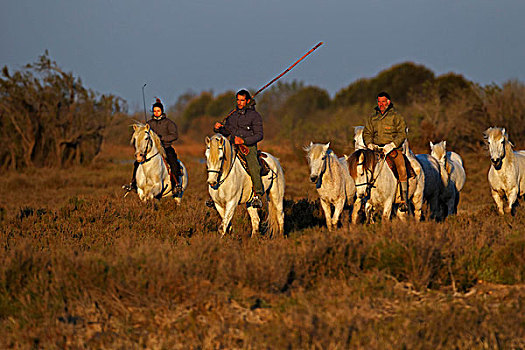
column 389, row 147
column 238, row 140
column 217, row 126
column 372, row 147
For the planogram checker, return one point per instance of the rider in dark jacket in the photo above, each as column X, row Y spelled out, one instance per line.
column 166, row 129
column 244, row 127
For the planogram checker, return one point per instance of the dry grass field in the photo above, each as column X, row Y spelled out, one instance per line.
column 83, row 267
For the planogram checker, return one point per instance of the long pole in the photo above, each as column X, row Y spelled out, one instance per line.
column 144, row 102
column 289, row 68
column 279, row 76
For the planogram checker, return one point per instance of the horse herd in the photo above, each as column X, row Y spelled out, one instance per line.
column 361, row 180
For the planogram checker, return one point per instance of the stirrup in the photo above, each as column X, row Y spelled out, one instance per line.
column 177, row 189
column 130, row 187
column 256, row 202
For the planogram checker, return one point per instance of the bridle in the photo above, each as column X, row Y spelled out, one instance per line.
column 371, row 183
column 145, row 153
column 220, row 171
column 323, row 170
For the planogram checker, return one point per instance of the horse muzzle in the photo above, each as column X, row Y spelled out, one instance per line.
column 497, row 163
column 314, row 178
column 139, row 157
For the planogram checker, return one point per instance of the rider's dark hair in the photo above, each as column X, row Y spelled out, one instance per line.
column 244, row 93
column 383, row 94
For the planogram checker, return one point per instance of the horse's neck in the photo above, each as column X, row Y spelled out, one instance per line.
column 444, row 172
column 508, row 160
column 331, row 166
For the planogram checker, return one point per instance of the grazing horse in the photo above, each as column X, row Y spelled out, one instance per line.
column 332, row 180
column 153, row 177
column 377, row 186
column 229, row 185
column 452, row 173
column 507, row 170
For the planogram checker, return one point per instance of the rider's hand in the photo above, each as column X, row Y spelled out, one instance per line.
column 238, row 140
column 372, row 147
column 217, row 126
column 389, row 147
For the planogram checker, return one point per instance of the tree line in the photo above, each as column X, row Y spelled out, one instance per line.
column 48, row 118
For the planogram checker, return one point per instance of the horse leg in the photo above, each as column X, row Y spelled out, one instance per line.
column 355, row 210
column 387, row 211
column 254, row 217
column 512, row 196
column 337, row 212
column 368, row 212
column 499, row 201
column 327, row 213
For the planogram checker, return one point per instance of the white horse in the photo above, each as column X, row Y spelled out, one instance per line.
column 153, row 178
column 431, row 183
column 452, row 173
column 359, row 142
column 507, row 171
column 230, row 185
column 332, row 180
column 377, row 186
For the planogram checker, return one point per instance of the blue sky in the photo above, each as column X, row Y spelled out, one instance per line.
column 115, row 46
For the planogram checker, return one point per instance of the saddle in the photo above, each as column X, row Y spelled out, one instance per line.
column 265, row 168
column 390, row 161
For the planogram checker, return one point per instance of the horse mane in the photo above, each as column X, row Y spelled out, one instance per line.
column 353, row 160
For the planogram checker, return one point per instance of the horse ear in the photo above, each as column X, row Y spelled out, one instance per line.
column 135, row 127
column 431, row 145
column 147, row 127
column 504, row 132
column 445, row 144
column 207, row 140
column 327, row 146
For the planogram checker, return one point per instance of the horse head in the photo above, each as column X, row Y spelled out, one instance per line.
column 439, row 151
column 361, row 165
column 216, row 157
column 145, row 142
column 359, row 143
column 496, row 139
column 316, row 155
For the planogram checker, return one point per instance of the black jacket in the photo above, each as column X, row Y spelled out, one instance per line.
column 245, row 123
column 165, row 128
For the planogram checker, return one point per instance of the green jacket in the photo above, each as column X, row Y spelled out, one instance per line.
column 381, row 129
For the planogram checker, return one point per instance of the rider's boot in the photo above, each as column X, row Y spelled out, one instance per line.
column 132, row 186
column 405, row 205
column 175, row 185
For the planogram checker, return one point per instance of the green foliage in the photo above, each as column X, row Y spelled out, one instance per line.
column 195, row 108
column 398, row 80
column 49, row 118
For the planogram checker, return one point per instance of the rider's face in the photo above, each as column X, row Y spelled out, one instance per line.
column 383, row 103
column 157, row 112
column 241, row 101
